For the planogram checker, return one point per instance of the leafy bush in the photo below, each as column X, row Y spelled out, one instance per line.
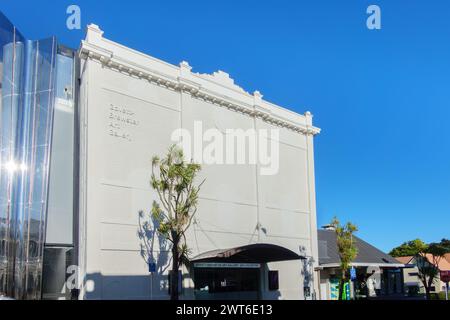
column 438, row 296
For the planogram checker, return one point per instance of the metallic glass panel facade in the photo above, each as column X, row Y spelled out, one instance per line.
column 27, row 95
column 61, row 184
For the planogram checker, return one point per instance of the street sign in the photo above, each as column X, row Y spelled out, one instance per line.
column 445, row 276
column 152, row 267
column 353, row 273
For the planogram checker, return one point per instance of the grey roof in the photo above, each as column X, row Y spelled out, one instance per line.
column 367, row 254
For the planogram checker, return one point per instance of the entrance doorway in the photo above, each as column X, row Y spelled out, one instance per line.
column 236, row 273
column 227, row 283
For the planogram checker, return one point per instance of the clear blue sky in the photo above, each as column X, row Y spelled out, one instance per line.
column 382, row 97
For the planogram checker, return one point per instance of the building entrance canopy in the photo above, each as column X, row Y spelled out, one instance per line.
column 253, row 253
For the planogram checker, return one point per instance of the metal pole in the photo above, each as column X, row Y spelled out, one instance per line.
column 446, row 292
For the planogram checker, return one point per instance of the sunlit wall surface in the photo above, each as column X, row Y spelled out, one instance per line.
column 27, row 73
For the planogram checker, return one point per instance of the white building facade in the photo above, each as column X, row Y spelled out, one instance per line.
column 238, row 206
column 116, row 108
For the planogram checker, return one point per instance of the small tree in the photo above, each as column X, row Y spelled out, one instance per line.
column 428, row 261
column 347, row 249
column 173, row 179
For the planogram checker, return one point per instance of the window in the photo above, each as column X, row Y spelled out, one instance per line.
column 226, row 280
column 274, row 284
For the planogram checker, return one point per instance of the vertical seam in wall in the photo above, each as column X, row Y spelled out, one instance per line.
column 308, row 173
column 76, row 160
column 85, row 165
column 181, row 109
column 258, row 216
column 83, row 184
column 181, row 127
column 309, row 188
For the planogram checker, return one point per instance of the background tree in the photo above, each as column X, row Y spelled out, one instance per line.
column 434, row 254
column 410, row 248
column 446, row 244
column 427, row 257
column 174, row 181
column 347, row 249
column 428, row 264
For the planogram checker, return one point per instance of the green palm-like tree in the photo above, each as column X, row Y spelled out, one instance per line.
column 346, row 248
column 174, row 181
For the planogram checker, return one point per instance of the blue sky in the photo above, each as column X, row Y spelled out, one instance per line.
column 381, row 97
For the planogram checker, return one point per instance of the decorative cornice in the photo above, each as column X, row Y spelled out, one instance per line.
column 181, row 84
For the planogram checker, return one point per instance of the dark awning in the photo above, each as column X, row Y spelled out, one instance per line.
column 253, row 253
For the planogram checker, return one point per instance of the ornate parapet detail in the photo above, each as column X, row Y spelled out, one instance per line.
column 184, row 83
column 222, row 78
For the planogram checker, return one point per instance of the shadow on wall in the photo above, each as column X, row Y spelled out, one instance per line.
column 154, row 250
column 272, row 295
column 149, row 238
column 307, row 273
column 124, row 287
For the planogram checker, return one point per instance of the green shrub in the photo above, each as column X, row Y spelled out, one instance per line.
column 438, row 296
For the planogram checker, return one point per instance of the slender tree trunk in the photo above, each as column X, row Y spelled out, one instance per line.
column 341, row 285
column 428, row 293
column 174, row 294
column 341, row 289
column 428, row 287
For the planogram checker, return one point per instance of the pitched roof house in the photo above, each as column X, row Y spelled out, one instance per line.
column 444, row 262
column 411, row 272
column 371, row 266
column 368, row 255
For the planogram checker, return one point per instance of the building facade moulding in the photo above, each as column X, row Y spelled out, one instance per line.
column 186, row 84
